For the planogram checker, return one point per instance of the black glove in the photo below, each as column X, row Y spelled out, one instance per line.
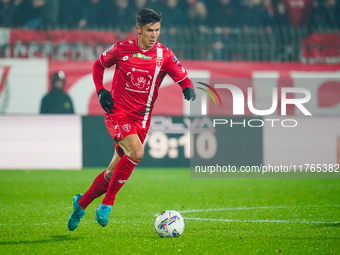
column 105, row 100
column 189, row 94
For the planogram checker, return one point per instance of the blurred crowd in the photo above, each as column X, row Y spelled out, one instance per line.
column 88, row 14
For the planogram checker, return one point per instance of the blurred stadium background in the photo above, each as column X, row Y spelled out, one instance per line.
column 285, row 41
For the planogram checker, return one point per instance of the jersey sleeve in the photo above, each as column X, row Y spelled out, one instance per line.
column 109, row 57
column 174, row 68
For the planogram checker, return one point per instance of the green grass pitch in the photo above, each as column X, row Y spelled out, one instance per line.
column 222, row 216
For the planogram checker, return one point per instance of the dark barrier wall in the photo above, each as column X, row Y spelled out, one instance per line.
column 231, row 142
column 97, row 143
column 162, row 149
column 171, row 143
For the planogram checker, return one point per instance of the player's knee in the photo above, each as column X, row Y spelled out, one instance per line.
column 108, row 174
column 137, row 154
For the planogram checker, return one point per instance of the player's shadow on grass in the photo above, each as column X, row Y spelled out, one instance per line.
column 51, row 239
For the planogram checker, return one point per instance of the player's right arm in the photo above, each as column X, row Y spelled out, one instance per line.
column 107, row 59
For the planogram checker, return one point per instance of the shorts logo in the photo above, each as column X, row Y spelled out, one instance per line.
column 126, row 127
column 159, row 61
column 117, row 130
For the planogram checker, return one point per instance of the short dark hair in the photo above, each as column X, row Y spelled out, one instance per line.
column 146, row 16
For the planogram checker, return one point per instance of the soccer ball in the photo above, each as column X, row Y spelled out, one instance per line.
column 169, row 224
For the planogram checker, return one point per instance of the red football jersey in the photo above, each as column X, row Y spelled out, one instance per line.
column 138, row 76
column 298, row 11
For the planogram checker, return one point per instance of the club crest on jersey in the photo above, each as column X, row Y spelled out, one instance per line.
column 126, row 127
column 141, row 55
column 159, row 61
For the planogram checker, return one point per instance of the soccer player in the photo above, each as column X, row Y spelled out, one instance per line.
column 141, row 65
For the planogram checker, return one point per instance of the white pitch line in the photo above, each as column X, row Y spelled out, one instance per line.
column 28, row 224
column 264, row 221
column 254, row 208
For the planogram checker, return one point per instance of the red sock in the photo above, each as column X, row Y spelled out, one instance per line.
column 120, row 175
column 98, row 188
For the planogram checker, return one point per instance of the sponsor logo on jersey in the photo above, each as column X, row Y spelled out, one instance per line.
column 141, row 55
column 137, row 91
column 126, row 127
column 175, row 59
column 140, row 70
column 140, row 81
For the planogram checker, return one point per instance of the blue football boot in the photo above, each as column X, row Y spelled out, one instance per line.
column 102, row 214
column 76, row 215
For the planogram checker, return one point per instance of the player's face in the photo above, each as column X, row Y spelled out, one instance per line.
column 148, row 35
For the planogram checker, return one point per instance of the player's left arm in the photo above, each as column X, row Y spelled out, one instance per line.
column 188, row 89
column 178, row 73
